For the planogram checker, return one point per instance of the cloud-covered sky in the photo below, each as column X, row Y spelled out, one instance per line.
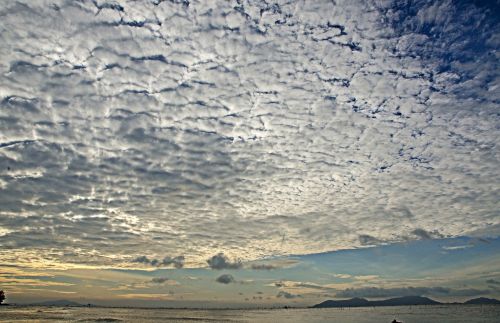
column 454, row 269
column 209, row 134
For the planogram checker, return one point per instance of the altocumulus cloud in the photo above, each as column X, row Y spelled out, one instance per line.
column 239, row 123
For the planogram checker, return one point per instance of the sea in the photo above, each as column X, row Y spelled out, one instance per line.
column 406, row 314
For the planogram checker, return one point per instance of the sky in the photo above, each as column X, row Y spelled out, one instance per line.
column 248, row 153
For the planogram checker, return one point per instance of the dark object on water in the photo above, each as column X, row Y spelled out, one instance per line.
column 396, row 321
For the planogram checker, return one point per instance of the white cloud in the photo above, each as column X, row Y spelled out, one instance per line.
column 250, row 128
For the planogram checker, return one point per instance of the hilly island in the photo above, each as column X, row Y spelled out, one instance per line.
column 398, row 301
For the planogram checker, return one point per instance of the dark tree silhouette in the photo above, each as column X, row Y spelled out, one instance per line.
column 2, row 296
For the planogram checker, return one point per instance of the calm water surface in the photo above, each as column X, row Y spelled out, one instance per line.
column 407, row 314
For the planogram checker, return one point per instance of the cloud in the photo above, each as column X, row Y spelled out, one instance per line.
column 366, row 277
column 342, row 276
column 493, row 282
column 458, row 247
column 279, row 284
column 375, row 292
column 191, row 128
column 298, row 284
column 423, row 234
column 225, row 279
column 263, row 267
column 145, row 296
column 283, row 294
column 159, row 280
column 142, row 260
column 177, row 262
column 276, row 263
column 220, row 261
column 366, row 239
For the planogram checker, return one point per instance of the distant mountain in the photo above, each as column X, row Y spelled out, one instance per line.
column 60, row 302
column 483, row 300
column 398, row 301
column 353, row 302
column 406, row 300
column 361, row 302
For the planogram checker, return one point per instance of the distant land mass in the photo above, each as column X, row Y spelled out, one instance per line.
column 398, row 301
column 59, row 302
column 483, row 300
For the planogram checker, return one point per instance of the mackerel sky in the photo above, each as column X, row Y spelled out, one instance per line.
column 245, row 144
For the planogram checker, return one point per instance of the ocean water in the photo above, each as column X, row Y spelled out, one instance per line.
column 406, row 314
